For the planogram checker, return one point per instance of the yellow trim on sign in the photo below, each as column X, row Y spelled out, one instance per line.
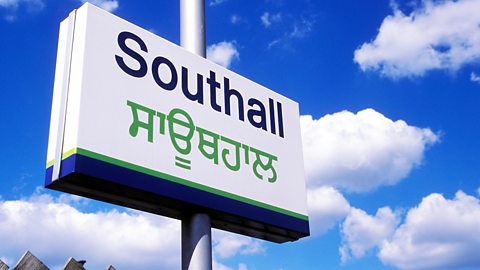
column 64, row 156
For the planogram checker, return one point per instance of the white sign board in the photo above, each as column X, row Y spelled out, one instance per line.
column 141, row 122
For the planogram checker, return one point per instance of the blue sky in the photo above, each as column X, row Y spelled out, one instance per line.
column 388, row 94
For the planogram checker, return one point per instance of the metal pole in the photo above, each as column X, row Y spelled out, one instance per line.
column 192, row 26
column 196, row 228
column 196, row 243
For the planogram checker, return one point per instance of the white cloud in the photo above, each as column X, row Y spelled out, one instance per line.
column 108, row 5
column 474, row 77
column 16, row 3
column 274, row 42
column 267, row 19
column 360, row 152
column 242, row 266
column 437, row 35
column 326, row 207
column 227, row 245
column 12, row 7
column 220, row 266
column 362, row 232
column 236, row 19
column 10, row 18
column 223, row 53
column 53, row 230
column 217, row 2
column 437, row 234
column 9, row 3
column 300, row 29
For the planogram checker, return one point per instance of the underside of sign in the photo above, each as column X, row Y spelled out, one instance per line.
column 138, row 121
column 113, row 184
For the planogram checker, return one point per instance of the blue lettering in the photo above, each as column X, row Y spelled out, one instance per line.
column 257, row 114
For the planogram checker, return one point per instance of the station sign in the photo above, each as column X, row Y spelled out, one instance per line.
column 140, row 122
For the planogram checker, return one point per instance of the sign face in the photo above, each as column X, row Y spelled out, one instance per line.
column 141, row 122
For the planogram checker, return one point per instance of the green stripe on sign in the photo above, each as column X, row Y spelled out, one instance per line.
column 182, row 181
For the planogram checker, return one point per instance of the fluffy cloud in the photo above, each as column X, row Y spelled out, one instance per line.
column 9, row 3
column 474, row 77
column 355, row 152
column 300, row 29
column 267, row 18
column 17, row 3
column 108, row 5
column 227, row 245
column 54, row 230
column 12, row 7
column 362, row 232
column 437, row 35
column 219, row 266
column 242, row 266
column 236, row 19
column 437, row 234
column 360, row 152
column 216, row 2
column 223, row 53
column 326, row 207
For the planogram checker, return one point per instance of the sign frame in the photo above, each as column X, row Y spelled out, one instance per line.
column 95, row 175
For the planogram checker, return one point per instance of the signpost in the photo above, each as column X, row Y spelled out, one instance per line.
column 196, row 229
column 141, row 122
